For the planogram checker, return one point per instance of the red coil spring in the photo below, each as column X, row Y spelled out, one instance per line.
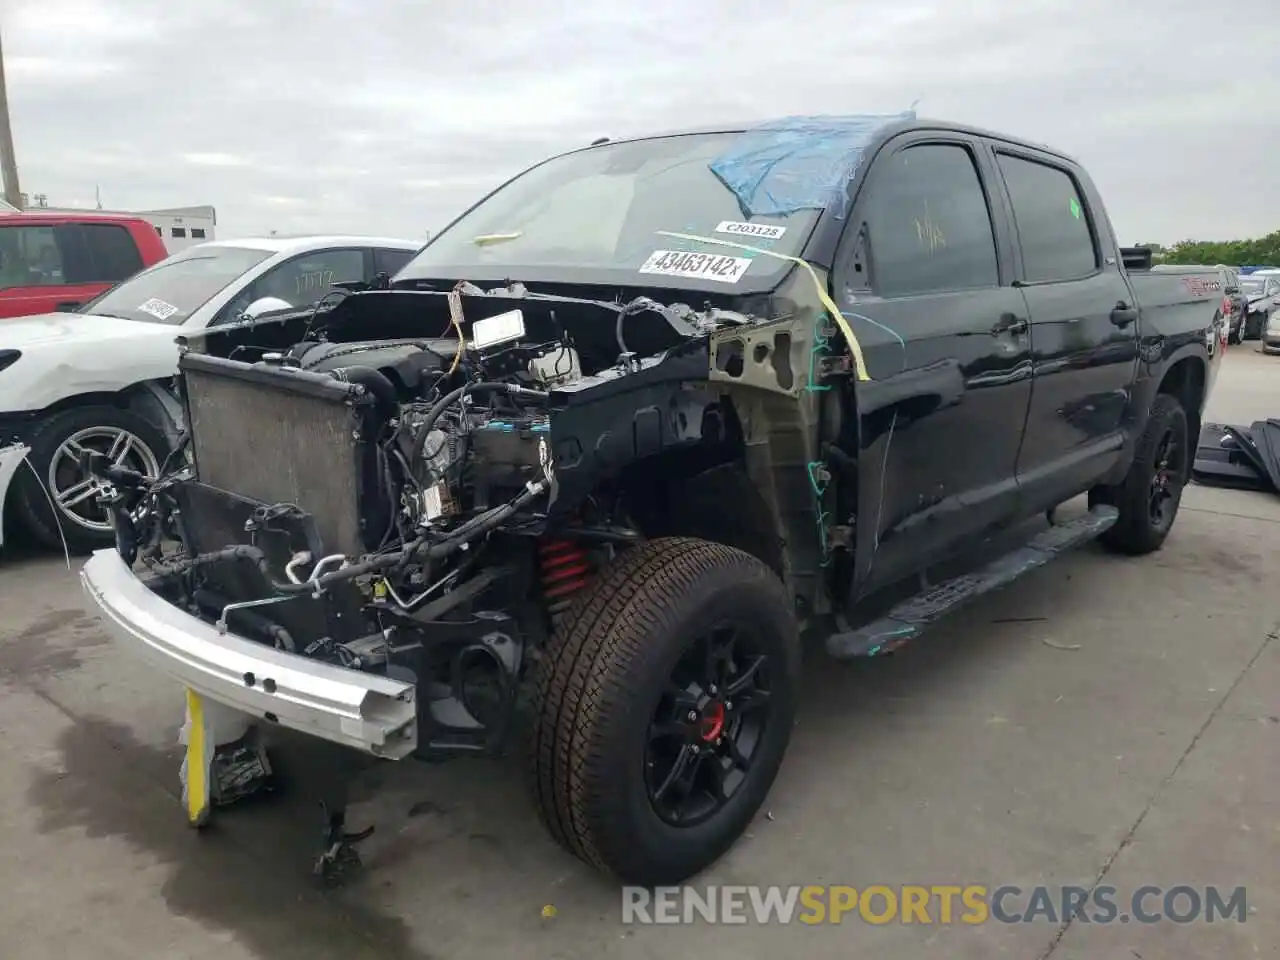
column 566, row 569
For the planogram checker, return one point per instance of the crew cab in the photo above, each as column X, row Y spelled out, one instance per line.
column 53, row 260
column 632, row 425
column 99, row 378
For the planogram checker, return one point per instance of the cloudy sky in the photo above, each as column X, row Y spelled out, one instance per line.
column 389, row 116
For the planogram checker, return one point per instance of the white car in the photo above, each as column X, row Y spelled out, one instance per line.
column 97, row 379
column 1262, row 292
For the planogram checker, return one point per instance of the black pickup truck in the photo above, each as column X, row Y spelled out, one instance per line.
column 634, row 425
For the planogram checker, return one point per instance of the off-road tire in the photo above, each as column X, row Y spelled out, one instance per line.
column 1134, row 532
column 32, row 507
column 600, row 680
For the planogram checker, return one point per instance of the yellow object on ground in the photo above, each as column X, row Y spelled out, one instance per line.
column 221, row 763
column 196, row 794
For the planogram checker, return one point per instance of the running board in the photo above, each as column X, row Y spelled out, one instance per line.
column 910, row 618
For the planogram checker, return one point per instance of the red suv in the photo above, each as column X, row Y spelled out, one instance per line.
column 52, row 261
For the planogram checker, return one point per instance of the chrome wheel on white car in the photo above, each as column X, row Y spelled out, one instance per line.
column 75, row 490
column 57, row 498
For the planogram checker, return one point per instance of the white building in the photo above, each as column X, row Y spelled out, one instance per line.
column 180, row 227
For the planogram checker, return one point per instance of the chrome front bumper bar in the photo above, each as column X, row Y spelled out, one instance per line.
column 366, row 711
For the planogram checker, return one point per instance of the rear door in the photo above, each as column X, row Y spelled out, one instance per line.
column 113, row 253
column 925, row 281
column 1084, row 331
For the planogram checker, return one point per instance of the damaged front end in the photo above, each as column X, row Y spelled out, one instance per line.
column 367, row 540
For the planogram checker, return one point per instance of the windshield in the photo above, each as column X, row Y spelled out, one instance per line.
column 175, row 288
column 1251, row 284
column 593, row 216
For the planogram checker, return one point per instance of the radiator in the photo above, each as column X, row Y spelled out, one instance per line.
column 280, row 436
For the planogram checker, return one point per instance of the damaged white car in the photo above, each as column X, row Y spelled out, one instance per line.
column 99, row 380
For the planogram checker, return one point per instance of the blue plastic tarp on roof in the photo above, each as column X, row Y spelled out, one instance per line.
column 799, row 163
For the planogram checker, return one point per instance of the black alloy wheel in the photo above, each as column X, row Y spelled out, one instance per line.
column 708, row 727
column 1167, row 478
column 662, row 708
column 1149, row 495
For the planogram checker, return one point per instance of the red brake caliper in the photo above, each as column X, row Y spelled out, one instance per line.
column 712, row 722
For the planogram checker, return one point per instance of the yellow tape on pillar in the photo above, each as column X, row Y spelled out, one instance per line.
column 854, row 347
column 197, row 786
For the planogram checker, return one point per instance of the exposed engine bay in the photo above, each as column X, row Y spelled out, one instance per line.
column 423, row 507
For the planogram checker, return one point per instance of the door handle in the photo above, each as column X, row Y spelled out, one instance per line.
column 1123, row 314
column 1010, row 323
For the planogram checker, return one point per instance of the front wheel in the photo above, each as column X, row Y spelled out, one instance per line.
column 58, row 498
column 1151, row 492
column 663, row 708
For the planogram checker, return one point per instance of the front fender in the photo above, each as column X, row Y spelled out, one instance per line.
column 11, row 458
column 47, row 375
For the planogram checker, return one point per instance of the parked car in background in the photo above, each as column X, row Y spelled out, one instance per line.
column 1235, row 306
column 1262, row 291
column 99, row 379
column 53, row 261
column 1271, row 335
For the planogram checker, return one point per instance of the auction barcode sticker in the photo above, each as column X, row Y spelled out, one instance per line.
column 765, row 231
column 158, row 308
column 697, row 266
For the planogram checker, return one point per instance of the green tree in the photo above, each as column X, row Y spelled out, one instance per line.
column 1263, row 250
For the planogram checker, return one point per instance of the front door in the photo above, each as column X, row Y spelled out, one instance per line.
column 920, row 277
column 43, row 268
column 1084, row 331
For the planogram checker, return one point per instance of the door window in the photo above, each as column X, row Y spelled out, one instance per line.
column 927, row 224
column 30, row 257
column 300, row 282
column 305, row 279
column 113, row 254
column 1053, row 223
column 389, row 261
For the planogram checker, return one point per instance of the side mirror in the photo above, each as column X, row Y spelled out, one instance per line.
column 262, row 306
column 69, row 306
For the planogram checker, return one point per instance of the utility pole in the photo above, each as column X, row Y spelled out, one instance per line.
column 8, row 162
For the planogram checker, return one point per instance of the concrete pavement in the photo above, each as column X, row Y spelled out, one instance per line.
column 1104, row 720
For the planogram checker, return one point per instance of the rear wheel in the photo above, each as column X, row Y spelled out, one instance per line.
column 125, row 438
column 663, row 708
column 1150, row 494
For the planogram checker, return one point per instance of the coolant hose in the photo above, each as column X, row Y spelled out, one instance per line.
column 375, row 381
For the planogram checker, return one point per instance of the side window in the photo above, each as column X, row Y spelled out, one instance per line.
column 30, row 257
column 388, row 261
column 303, row 280
column 1053, row 224
column 927, row 226
column 112, row 253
